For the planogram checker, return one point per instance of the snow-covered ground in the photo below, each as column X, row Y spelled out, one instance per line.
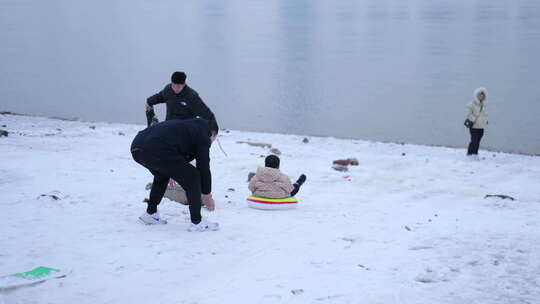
column 410, row 224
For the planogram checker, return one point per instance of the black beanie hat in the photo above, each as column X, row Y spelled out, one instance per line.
column 272, row 161
column 178, row 78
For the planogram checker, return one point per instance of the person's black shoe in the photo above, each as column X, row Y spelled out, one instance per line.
column 301, row 179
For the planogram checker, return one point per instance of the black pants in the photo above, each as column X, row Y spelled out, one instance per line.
column 476, row 136
column 177, row 168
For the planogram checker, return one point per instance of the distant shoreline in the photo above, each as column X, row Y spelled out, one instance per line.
column 489, row 149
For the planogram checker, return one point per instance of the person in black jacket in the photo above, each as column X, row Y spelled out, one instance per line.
column 182, row 101
column 166, row 149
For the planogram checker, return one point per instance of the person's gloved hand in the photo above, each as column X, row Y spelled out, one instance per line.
column 301, row 179
column 151, row 118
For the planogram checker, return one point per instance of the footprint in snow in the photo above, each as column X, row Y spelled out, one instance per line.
column 430, row 276
column 270, row 299
column 420, row 248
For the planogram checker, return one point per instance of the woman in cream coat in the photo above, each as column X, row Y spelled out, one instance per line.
column 476, row 112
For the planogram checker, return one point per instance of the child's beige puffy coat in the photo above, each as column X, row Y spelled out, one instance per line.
column 271, row 183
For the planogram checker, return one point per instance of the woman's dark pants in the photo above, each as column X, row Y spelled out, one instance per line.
column 476, row 136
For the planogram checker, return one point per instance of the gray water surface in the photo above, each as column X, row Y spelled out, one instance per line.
column 374, row 69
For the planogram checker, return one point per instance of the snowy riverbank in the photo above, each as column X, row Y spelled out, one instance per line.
column 410, row 224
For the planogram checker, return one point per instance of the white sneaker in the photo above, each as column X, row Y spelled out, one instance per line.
column 204, row 225
column 152, row 219
column 473, row 157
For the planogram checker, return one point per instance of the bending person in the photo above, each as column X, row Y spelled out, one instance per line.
column 166, row 149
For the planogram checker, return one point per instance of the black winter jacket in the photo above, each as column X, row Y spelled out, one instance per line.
column 172, row 138
column 186, row 105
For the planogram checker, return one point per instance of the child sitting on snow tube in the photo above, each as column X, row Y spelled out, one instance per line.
column 269, row 182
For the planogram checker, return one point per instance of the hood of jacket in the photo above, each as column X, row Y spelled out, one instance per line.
column 478, row 91
column 268, row 175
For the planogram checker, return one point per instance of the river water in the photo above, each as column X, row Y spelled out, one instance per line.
column 398, row 71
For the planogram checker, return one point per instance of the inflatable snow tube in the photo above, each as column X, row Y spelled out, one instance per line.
column 272, row 203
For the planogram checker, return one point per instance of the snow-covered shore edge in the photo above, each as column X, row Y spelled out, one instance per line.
column 484, row 147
